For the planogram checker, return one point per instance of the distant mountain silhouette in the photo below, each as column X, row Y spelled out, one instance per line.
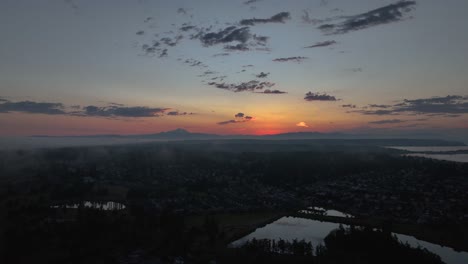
column 177, row 134
column 373, row 139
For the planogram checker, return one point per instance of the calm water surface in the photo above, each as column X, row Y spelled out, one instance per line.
column 447, row 157
column 107, row 206
column 289, row 228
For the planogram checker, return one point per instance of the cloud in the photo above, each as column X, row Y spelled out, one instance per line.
column 262, row 75
column 227, row 35
column 119, row 111
column 322, row 44
column 278, row 18
column 384, row 15
column 379, row 106
column 196, row 63
column 348, row 106
column 268, row 91
column 182, row 11
column 239, row 118
column 111, row 109
column 314, row 21
column 177, row 113
column 302, row 124
column 296, row 59
column 238, row 47
column 387, row 121
column 186, row 28
column 154, row 49
column 32, row 107
column 249, row 2
column 227, row 122
column 148, row 19
column 251, row 86
column 319, row 97
column 449, row 106
column 221, row 54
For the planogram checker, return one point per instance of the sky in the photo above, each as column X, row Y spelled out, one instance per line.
column 81, row 67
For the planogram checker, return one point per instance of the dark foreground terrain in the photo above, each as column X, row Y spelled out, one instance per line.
column 184, row 202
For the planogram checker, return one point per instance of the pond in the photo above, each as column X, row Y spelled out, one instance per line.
column 289, row 228
column 438, row 153
column 322, row 211
column 106, row 206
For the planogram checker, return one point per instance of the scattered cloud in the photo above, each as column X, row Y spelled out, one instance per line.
column 119, row 111
column 268, row 91
column 302, row 124
column 319, row 97
column 379, row 106
column 314, row 21
column 249, row 2
column 322, row 44
column 110, row 110
column 251, row 86
column 237, row 47
column 177, row 113
column 148, row 19
column 239, row 115
column 278, row 18
column 182, row 11
column 262, row 75
column 348, row 106
column 227, row 35
column 221, row 54
column 448, row 106
column 197, row 63
column 383, row 15
column 295, row 59
column 238, row 118
column 387, row 121
column 32, row 107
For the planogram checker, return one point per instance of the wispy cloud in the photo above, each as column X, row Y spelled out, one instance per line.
column 122, row 111
column 268, row 91
column 322, row 44
column 295, row 59
column 238, row 118
column 251, row 86
column 109, row 110
column 449, row 106
column 387, row 121
column 319, row 97
column 262, row 75
column 383, row 15
column 32, row 107
column 278, row 18
column 348, row 106
column 249, row 2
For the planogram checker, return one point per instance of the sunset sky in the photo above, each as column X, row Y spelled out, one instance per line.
column 80, row 67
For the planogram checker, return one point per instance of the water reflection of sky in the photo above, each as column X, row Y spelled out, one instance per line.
column 107, row 206
column 447, row 157
column 289, row 228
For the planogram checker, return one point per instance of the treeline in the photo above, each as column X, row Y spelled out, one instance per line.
column 350, row 245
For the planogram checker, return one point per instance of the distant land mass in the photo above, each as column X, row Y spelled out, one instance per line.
column 335, row 137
